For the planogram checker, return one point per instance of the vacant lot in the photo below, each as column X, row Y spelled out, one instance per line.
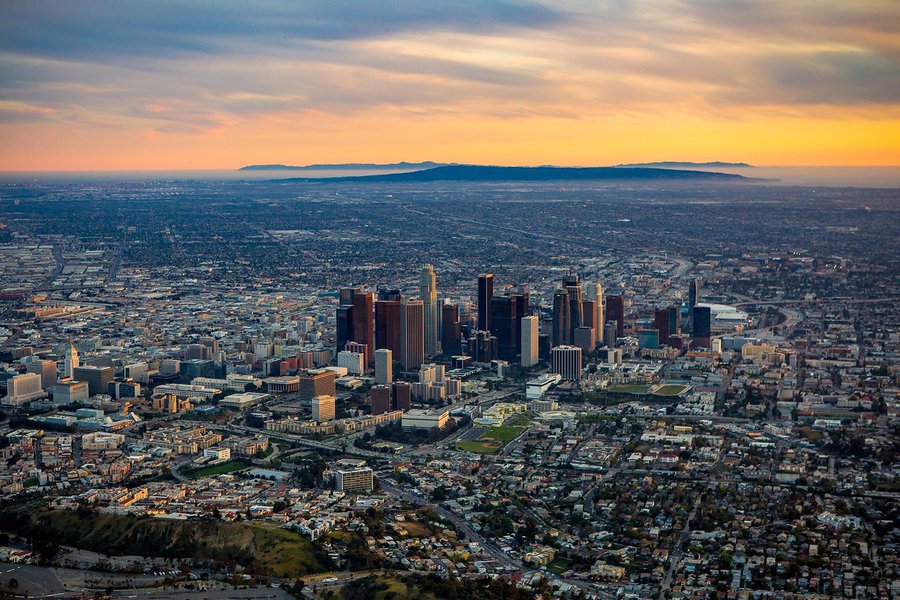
column 629, row 389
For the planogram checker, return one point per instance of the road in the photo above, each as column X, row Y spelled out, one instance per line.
column 678, row 551
column 490, row 549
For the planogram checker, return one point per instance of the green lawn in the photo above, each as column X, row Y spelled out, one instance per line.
column 503, row 434
column 559, row 565
column 219, row 469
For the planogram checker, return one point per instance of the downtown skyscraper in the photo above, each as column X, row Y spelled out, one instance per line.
column 428, row 293
column 594, row 293
column 485, row 293
column 412, row 336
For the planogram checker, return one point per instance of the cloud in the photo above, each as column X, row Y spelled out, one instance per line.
column 196, row 67
column 111, row 31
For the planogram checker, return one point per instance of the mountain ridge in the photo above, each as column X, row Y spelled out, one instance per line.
column 497, row 173
column 344, row 166
column 665, row 164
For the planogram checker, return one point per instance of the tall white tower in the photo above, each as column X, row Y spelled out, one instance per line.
column 530, row 327
column 72, row 362
column 428, row 292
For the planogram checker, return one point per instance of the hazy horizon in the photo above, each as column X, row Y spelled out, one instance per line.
column 801, row 175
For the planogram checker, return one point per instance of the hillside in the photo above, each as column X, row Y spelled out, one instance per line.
column 280, row 552
column 489, row 174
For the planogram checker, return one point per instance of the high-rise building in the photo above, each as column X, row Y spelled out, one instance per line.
column 344, row 318
column 694, row 292
column 46, row 369
column 615, row 311
column 388, row 329
column 504, row 321
column 343, row 327
column 412, row 337
column 674, row 320
column 483, row 346
column 358, row 479
column 485, row 293
column 188, row 370
column 562, row 324
column 522, row 297
column 197, row 352
column 588, row 313
column 585, row 338
column 594, row 292
column 323, row 408
column 364, row 322
column 381, row 399
column 451, row 337
column 97, row 378
column 345, row 296
column 428, row 292
column 315, row 382
column 402, row 395
column 661, row 318
column 576, row 315
column 384, row 366
column 566, row 361
column 390, row 295
column 609, row 333
column 530, row 332
column 354, row 362
column 72, row 362
column 21, row 389
column 701, row 317
column 211, row 343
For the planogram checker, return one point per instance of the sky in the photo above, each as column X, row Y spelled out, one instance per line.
column 217, row 84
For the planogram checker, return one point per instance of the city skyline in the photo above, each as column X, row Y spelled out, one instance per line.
column 99, row 86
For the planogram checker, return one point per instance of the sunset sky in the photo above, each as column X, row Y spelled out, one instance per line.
column 97, row 85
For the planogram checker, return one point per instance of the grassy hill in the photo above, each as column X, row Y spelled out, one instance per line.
column 279, row 552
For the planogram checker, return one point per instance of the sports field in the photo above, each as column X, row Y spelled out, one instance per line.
column 491, row 441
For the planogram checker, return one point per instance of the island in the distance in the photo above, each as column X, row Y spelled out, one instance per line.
column 674, row 164
column 345, row 166
column 495, row 173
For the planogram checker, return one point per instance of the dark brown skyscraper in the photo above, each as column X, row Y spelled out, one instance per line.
column 661, row 323
column 412, row 338
column 451, row 338
column 388, row 328
column 485, row 293
column 505, row 324
column 402, row 392
column 615, row 311
column 381, row 399
column 562, row 324
column 588, row 311
column 364, row 323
